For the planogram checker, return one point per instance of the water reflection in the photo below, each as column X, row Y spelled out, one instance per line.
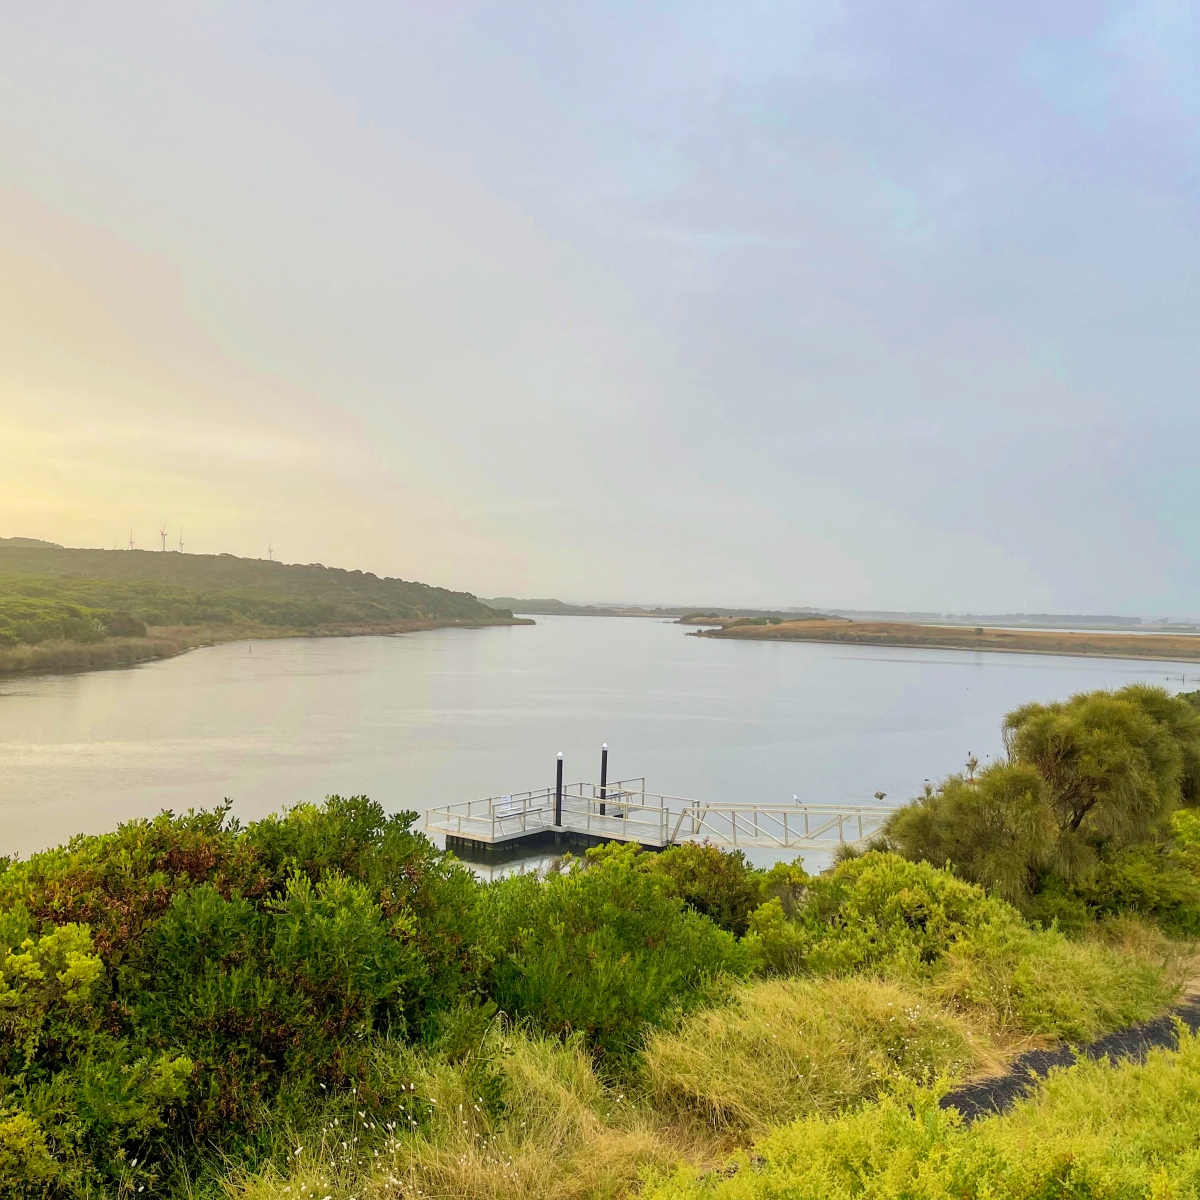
column 429, row 718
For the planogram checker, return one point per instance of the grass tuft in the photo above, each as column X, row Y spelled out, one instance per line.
column 789, row 1047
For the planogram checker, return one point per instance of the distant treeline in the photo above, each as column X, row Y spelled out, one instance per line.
column 51, row 593
column 551, row 607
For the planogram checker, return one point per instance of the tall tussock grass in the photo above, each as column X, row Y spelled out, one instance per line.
column 789, row 1047
column 1018, row 981
column 523, row 1116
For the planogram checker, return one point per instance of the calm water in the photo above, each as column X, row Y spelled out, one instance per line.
column 428, row 718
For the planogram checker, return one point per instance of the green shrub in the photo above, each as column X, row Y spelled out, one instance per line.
column 28, row 1171
column 996, row 828
column 1113, row 762
column 119, row 884
column 603, row 951
column 46, row 983
column 1090, row 781
column 406, row 874
column 719, row 884
column 1150, row 881
column 227, row 975
column 875, row 912
column 286, row 990
column 1023, row 981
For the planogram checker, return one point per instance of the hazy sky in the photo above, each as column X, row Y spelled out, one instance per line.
column 860, row 304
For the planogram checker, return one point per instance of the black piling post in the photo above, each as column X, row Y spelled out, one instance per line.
column 558, row 793
column 603, row 776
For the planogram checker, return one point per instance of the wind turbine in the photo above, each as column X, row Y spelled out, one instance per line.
column 131, row 537
column 270, row 551
column 162, row 533
column 181, row 541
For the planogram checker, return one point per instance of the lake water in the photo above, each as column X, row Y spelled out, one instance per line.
column 428, row 718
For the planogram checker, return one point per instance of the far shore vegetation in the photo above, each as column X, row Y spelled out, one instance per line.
column 1175, row 647
column 66, row 609
column 322, row 1005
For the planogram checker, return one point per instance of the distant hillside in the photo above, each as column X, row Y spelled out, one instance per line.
column 561, row 608
column 685, row 612
column 54, row 601
column 166, row 588
column 30, row 542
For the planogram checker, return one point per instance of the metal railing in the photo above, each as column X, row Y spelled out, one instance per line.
column 627, row 812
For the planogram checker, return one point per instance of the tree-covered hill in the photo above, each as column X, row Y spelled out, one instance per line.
column 174, row 589
column 66, row 609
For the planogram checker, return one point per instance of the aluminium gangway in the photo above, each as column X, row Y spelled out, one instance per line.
column 624, row 811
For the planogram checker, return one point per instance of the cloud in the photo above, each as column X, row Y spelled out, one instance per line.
column 845, row 304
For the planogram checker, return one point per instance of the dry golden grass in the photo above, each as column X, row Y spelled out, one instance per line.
column 562, row 1136
column 85, row 656
column 790, row 1047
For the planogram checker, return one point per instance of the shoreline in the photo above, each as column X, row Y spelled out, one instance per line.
column 161, row 642
column 1180, row 648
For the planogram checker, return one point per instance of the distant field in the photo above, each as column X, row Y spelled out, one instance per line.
column 1175, row 647
column 63, row 609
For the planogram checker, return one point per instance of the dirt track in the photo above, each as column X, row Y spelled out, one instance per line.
column 989, row 1096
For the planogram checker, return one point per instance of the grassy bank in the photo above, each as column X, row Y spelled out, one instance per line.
column 167, row 641
column 323, row 1004
column 1174, row 647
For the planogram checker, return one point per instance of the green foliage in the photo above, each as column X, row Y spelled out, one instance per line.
column 30, row 621
column 284, row 990
column 604, row 951
column 996, row 828
column 1151, row 881
column 404, row 872
column 119, row 883
column 720, row 884
column 1077, row 822
column 51, row 976
column 87, row 595
column 1113, row 763
column 1018, row 980
column 881, row 913
column 27, row 1168
column 1094, row 1131
column 163, row 986
column 876, row 912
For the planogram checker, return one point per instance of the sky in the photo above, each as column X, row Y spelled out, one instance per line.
column 874, row 305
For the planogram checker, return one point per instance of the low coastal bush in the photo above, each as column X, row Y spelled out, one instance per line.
column 31, row 621
column 1091, row 1131
column 163, row 986
column 881, row 913
column 719, row 884
column 1018, row 981
column 604, row 950
column 877, row 912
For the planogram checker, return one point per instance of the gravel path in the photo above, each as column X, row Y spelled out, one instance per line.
column 989, row 1096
